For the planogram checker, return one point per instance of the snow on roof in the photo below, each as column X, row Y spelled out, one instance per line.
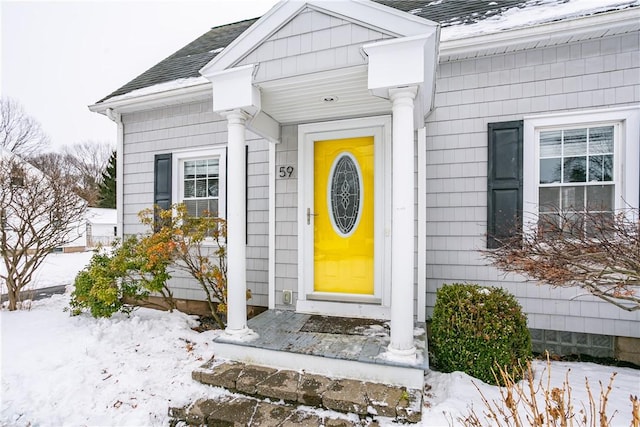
column 162, row 87
column 535, row 12
column 101, row 216
column 474, row 19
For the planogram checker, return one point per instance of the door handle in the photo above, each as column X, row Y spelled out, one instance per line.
column 309, row 215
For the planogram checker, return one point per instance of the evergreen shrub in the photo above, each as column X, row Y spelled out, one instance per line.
column 98, row 288
column 130, row 271
column 479, row 330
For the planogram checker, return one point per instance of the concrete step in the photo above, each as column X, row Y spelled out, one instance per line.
column 259, row 383
column 246, row 411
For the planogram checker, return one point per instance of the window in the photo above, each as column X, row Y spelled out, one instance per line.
column 576, row 174
column 579, row 163
column 17, row 176
column 201, row 185
column 200, row 178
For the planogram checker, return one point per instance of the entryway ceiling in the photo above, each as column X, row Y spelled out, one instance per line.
column 301, row 99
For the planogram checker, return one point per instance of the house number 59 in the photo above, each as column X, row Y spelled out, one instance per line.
column 285, row 171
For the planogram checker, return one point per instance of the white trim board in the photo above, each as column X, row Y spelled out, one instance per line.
column 421, row 298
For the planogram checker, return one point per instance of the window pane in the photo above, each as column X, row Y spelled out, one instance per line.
column 601, row 168
column 600, row 197
column 213, row 168
column 201, row 168
column 191, row 206
column 189, row 188
column 203, row 207
column 548, row 223
column 607, row 168
column 601, row 140
column 549, row 199
column 212, row 190
column 600, row 225
column 573, row 198
column 575, row 142
column 551, row 144
column 575, row 169
column 201, row 188
column 213, row 207
column 573, row 224
column 189, row 170
column 550, row 171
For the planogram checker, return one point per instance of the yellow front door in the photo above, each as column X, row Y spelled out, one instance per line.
column 344, row 221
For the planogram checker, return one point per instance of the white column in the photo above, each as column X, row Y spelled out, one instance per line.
column 402, row 258
column 236, row 225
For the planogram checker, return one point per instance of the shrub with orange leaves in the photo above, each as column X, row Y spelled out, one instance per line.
column 196, row 246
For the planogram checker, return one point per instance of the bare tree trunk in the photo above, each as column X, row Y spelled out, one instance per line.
column 13, row 295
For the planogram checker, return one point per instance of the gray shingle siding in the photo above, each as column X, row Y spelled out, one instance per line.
column 469, row 95
column 310, row 42
column 193, row 126
column 286, row 205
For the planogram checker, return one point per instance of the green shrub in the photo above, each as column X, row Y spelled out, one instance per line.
column 477, row 330
column 97, row 288
column 112, row 278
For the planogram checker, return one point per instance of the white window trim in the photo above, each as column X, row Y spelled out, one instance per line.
column 177, row 174
column 626, row 121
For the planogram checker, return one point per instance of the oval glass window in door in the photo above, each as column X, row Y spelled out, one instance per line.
column 345, row 194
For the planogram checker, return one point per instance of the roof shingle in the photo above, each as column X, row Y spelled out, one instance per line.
column 187, row 61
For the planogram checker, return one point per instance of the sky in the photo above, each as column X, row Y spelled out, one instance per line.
column 59, row 57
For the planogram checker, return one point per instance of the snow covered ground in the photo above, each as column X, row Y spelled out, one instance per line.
column 56, row 269
column 126, row 371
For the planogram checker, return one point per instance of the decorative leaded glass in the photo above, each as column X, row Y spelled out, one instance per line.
column 345, row 194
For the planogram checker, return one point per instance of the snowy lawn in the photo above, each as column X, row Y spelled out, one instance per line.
column 126, row 371
column 56, row 269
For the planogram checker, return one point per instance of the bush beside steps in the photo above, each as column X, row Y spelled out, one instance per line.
column 479, row 330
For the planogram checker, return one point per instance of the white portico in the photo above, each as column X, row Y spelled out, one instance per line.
column 356, row 125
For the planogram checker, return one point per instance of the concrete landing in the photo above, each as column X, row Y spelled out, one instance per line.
column 284, row 340
column 264, row 385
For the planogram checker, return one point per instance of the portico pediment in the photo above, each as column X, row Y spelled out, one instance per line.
column 296, row 54
column 297, row 37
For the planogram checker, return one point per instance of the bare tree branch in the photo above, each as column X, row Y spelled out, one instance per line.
column 88, row 160
column 598, row 252
column 20, row 133
column 38, row 214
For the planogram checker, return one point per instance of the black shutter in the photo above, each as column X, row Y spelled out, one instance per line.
column 504, row 181
column 162, row 181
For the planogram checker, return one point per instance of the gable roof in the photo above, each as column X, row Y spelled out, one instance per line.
column 456, row 12
column 450, row 14
column 187, row 61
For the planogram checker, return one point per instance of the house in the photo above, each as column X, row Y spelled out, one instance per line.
column 40, row 221
column 101, row 226
column 362, row 151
